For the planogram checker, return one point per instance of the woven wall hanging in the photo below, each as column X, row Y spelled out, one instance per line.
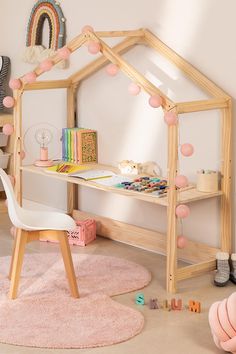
column 49, row 10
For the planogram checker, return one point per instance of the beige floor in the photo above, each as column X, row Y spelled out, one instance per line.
column 164, row 332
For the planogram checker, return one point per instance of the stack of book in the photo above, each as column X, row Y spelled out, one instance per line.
column 79, row 145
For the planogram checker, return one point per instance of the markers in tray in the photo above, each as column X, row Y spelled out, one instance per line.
column 152, row 185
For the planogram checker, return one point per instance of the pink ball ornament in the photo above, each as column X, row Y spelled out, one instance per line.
column 46, row 65
column 87, row 28
column 181, row 241
column 8, row 129
column 187, row 150
column 134, row 89
column 30, row 77
column 15, row 84
column 170, row 118
column 181, row 181
column 8, row 102
column 22, row 155
column 112, row 69
column 155, row 101
column 13, row 231
column 182, row 211
column 12, row 179
column 94, row 47
column 64, row 53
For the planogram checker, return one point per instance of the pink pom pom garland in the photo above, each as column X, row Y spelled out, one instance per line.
column 46, row 65
column 181, row 181
column 112, row 69
column 94, row 47
column 181, row 241
column 8, row 129
column 64, row 53
column 15, row 84
column 8, row 102
column 155, row 101
column 187, row 150
column 30, row 77
column 87, row 28
column 134, row 89
column 182, row 211
column 170, row 118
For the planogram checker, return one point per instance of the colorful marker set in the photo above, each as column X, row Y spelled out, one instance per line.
column 146, row 185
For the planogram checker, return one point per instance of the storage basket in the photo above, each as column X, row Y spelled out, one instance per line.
column 4, row 158
column 208, row 182
column 84, row 233
column 3, row 139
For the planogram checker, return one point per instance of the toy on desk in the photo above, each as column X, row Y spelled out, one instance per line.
column 129, row 167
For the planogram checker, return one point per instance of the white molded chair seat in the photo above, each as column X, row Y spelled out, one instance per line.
column 33, row 220
column 32, row 225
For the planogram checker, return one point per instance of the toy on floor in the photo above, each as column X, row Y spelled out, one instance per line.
column 129, row 167
column 222, row 320
column 226, row 268
column 173, row 305
column 139, row 299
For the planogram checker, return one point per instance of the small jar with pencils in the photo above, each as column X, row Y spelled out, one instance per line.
column 207, row 181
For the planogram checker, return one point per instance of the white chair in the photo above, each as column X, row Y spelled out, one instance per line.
column 35, row 225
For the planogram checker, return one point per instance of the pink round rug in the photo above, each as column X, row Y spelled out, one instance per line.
column 45, row 315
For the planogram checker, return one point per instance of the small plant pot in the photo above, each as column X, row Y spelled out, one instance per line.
column 208, row 182
column 4, row 159
column 3, row 139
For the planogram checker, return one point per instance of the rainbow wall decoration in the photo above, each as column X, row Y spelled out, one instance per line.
column 49, row 10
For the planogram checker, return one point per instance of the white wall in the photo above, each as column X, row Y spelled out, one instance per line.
column 202, row 31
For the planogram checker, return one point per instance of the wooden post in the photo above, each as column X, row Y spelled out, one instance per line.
column 17, row 116
column 171, row 250
column 72, row 189
column 226, row 238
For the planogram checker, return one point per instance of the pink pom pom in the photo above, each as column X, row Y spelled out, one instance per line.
column 182, row 211
column 22, row 155
column 94, row 47
column 181, row 181
column 170, row 118
column 134, row 89
column 155, row 101
column 8, row 129
column 46, row 65
column 13, row 231
column 15, row 84
column 112, row 69
column 30, row 77
column 181, row 241
column 187, row 150
column 8, row 102
column 12, row 179
column 64, row 53
column 87, row 28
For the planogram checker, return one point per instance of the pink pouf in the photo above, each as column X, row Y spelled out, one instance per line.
column 222, row 320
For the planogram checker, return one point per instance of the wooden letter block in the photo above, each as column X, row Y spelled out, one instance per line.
column 194, row 306
column 153, row 304
column 166, row 306
column 176, row 305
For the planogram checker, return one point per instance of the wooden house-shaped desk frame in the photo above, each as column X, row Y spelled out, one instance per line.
column 200, row 256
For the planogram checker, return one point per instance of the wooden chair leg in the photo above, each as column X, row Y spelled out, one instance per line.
column 21, row 240
column 12, row 258
column 69, row 267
